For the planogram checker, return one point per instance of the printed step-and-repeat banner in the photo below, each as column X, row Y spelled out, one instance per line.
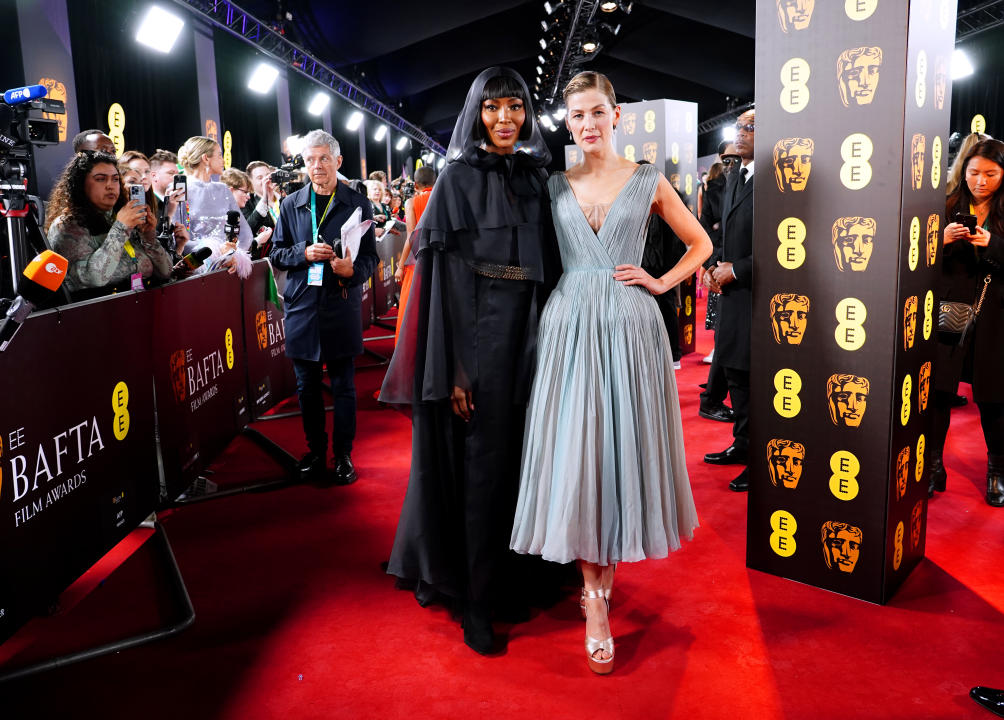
column 851, row 122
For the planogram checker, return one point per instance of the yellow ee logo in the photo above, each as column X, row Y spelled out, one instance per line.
column 904, row 410
column 860, row 9
column 228, row 144
column 856, row 150
column 794, row 90
column 120, row 404
column 782, row 540
column 920, row 88
column 918, row 472
column 629, row 153
column 936, row 162
column 897, row 556
column 786, row 401
column 844, row 481
column 850, row 332
column 791, row 235
column 228, row 340
column 674, row 153
column 979, row 124
column 649, row 121
column 928, row 314
column 914, row 253
column 116, row 124
column 688, row 306
column 688, row 185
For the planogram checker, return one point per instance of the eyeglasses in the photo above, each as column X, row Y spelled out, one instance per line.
column 748, row 127
column 730, row 160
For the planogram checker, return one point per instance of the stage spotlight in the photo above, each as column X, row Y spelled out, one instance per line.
column 559, row 114
column 441, row 163
column 540, row 70
column 589, row 45
column 608, row 6
column 536, row 96
column 729, row 133
column 540, row 59
column 549, row 8
column 543, row 44
column 159, row 29
column 354, row 121
column 318, row 104
column 380, row 133
column 401, row 143
column 961, row 65
column 263, row 78
column 543, row 25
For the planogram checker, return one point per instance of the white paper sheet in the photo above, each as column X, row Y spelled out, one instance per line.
column 352, row 233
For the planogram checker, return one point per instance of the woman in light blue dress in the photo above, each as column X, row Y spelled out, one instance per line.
column 603, row 476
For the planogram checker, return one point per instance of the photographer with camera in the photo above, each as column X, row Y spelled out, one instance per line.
column 209, row 202
column 323, row 301
column 240, row 185
column 263, row 206
column 108, row 239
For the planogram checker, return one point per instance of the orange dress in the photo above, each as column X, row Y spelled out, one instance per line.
column 418, row 203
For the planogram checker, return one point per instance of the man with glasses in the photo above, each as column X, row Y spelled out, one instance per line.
column 732, row 276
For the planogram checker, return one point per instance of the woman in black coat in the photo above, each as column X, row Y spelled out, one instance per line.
column 972, row 262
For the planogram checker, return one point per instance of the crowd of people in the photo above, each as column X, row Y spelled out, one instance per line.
column 527, row 439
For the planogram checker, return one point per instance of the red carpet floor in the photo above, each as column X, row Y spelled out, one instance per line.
column 295, row 618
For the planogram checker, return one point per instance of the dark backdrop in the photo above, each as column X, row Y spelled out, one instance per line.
column 981, row 92
column 251, row 118
column 301, row 92
column 159, row 92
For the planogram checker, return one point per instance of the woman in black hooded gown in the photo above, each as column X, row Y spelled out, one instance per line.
column 486, row 256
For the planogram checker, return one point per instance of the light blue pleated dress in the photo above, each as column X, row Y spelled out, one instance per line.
column 603, row 476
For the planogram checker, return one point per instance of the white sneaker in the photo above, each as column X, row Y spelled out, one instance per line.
column 676, row 364
column 708, row 358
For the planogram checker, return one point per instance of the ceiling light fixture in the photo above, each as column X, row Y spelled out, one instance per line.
column 380, row 133
column 159, row 29
column 402, row 142
column 354, row 121
column 962, row 66
column 263, row 78
column 319, row 103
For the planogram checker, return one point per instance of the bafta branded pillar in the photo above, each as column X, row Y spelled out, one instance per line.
column 851, row 125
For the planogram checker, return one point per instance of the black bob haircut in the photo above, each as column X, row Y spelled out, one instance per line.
column 502, row 86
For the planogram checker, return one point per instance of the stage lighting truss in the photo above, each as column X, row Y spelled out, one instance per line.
column 573, row 35
column 982, row 17
column 236, row 21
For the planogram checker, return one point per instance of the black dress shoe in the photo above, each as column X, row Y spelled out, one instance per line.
column 311, row 467
column 478, row 633
column 990, row 698
column 345, row 472
column 730, row 456
column 721, row 413
column 938, row 478
column 742, row 482
column 958, row 401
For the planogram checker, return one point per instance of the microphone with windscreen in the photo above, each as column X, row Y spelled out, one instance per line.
column 233, row 227
column 37, row 286
column 194, row 259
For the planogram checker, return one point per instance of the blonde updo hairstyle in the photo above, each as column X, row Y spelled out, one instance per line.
column 190, row 154
column 590, row 80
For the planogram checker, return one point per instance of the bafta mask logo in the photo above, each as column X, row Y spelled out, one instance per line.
column 858, row 75
column 789, row 314
column 674, row 180
column 940, row 83
column 841, row 545
column 933, row 237
column 629, row 153
column 785, row 459
column 916, row 515
column 924, row 393
column 212, row 129
column 847, row 397
column 853, row 242
column 688, row 334
column 918, row 146
column 177, row 365
column 261, row 329
column 573, row 156
column 909, row 322
column 55, row 90
column 650, row 151
column 793, row 163
column 649, row 121
column 794, row 14
column 902, row 471
column 629, row 121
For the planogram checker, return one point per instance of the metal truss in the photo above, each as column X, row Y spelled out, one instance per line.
column 983, row 17
column 726, row 118
column 239, row 23
column 571, row 24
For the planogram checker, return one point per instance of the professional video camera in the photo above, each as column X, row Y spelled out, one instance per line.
column 22, row 128
column 405, row 186
column 286, row 178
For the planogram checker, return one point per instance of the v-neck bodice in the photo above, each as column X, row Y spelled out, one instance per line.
column 619, row 235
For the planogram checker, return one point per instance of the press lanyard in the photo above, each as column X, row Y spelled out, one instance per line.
column 313, row 211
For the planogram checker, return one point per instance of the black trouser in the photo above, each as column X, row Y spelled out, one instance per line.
column 991, row 418
column 739, row 393
column 309, row 392
column 667, row 306
column 718, row 387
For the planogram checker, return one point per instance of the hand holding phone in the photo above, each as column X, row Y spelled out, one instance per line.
column 137, row 195
column 968, row 220
column 181, row 183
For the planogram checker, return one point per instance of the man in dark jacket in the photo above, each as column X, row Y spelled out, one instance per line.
column 733, row 277
column 323, row 299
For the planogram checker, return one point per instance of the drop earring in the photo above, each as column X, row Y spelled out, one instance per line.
column 570, row 137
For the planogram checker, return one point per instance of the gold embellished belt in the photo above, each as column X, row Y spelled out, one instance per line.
column 501, row 272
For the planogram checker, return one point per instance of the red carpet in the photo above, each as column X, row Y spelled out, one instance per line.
column 295, row 618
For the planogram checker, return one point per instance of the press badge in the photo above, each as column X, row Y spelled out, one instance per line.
column 136, row 281
column 315, row 274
